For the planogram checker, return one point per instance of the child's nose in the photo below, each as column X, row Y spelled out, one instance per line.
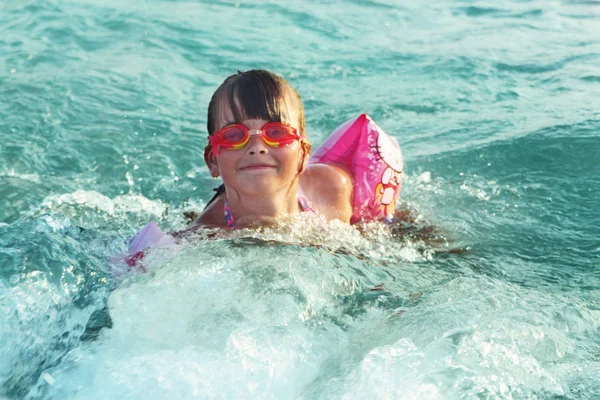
column 257, row 145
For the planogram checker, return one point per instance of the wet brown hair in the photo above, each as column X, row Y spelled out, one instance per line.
column 255, row 94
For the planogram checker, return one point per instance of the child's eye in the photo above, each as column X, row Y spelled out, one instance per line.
column 234, row 134
column 277, row 132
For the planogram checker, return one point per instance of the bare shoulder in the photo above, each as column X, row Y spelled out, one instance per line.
column 212, row 216
column 329, row 187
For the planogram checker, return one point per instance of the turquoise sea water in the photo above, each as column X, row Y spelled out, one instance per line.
column 102, row 128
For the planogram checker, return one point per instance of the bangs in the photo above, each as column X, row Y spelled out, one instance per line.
column 253, row 94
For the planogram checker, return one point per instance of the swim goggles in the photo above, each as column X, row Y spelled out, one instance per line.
column 237, row 136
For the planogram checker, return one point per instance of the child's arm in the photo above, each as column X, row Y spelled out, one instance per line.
column 329, row 189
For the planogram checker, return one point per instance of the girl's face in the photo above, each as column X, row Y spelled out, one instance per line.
column 258, row 168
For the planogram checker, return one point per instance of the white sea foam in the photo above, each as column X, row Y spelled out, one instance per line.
column 240, row 320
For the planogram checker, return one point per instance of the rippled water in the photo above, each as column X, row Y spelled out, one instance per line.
column 102, row 124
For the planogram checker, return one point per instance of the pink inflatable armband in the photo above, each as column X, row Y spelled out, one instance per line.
column 148, row 236
column 374, row 160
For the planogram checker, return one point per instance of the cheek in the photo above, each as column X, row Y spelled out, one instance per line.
column 290, row 156
column 293, row 148
column 226, row 161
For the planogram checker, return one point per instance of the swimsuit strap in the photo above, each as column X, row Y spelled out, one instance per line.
column 303, row 202
column 228, row 214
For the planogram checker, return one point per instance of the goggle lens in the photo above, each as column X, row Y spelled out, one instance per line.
column 232, row 135
column 277, row 132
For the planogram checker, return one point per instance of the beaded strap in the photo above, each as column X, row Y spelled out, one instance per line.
column 228, row 214
column 304, row 202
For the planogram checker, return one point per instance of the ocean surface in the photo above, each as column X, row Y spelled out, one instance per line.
column 492, row 292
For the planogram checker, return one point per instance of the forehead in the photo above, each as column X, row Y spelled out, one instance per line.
column 286, row 110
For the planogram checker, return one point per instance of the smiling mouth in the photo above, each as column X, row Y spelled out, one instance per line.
column 257, row 167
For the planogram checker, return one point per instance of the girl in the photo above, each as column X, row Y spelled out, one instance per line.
column 258, row 146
